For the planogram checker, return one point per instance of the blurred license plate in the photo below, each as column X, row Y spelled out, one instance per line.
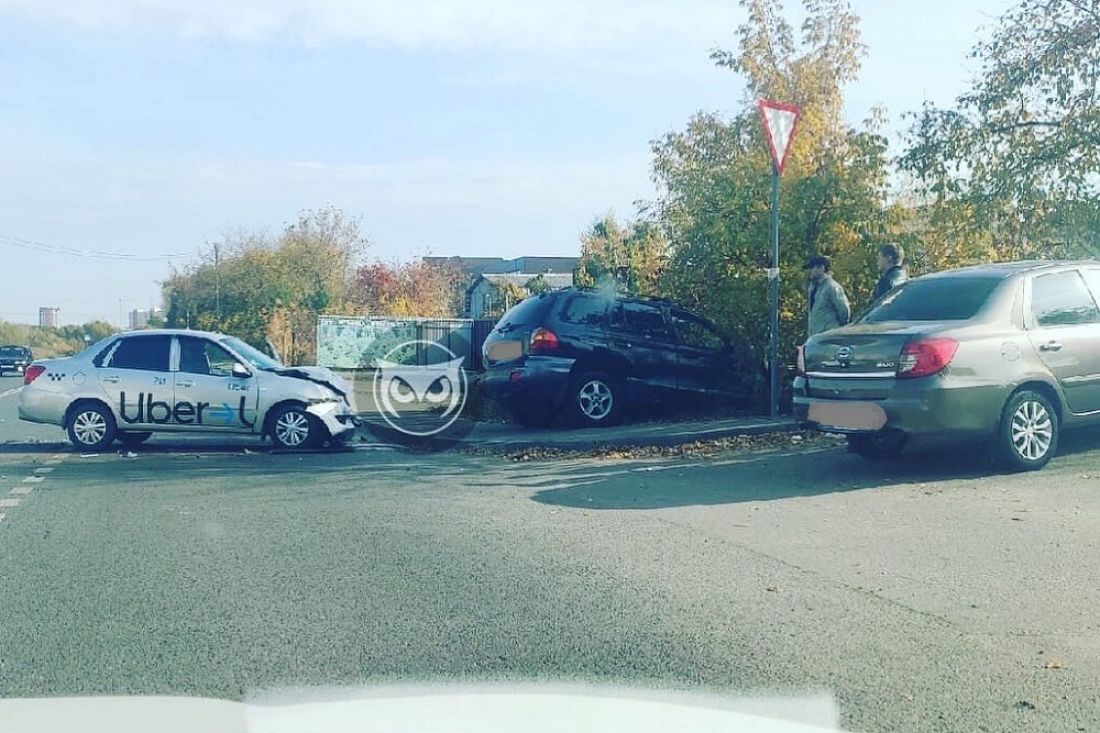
column 505, row 350
column 848, row 415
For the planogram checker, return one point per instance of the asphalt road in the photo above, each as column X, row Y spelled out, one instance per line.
column 928, row 594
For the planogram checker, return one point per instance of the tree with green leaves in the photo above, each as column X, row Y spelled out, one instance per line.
column 263, row 289
column 537, row 285
column 1010, row 171
column 713, row 179
column 638, row 249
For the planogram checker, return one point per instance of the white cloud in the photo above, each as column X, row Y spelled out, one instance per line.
column 532, row 25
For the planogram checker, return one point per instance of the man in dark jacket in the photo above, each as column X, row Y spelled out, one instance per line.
column 891, row 269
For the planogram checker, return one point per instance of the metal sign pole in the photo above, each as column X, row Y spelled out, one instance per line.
column 773, row 297
column 779, row 121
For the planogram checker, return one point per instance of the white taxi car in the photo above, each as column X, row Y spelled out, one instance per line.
column 130, row 385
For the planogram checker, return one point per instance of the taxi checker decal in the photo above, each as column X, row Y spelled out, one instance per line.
column 183, row 412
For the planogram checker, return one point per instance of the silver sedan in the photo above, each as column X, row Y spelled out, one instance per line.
column 131, row 385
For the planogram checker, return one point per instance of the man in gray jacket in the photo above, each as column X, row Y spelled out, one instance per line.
column 828, row 304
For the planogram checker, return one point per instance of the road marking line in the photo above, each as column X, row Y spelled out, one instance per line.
column 10, row 502
column 22, row 490
column 43, row 470
column 34, row 479
column 11, row 391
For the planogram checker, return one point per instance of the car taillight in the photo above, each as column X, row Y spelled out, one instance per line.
column 32, row 373
column 925, row 357
column 800, row 365
column 543, row 339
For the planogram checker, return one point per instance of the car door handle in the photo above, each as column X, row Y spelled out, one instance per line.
column 111, row 380
column 188, row 383
column 1051, row 346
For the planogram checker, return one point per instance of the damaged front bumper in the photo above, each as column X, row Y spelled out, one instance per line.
column 337, row 417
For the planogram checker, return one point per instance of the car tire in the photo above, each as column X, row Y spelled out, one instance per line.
column 877, row 446
column 132, row 440
column 1029, row 431
column 92, row 427
column 596, row 399
column 292, row 428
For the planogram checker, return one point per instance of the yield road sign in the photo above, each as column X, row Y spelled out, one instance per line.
column 779, row 122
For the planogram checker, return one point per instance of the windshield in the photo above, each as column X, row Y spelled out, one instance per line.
column 252, row 355
column 934, row 299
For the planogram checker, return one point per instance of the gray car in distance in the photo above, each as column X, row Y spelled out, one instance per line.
column 130, row 385
column 1008, row 352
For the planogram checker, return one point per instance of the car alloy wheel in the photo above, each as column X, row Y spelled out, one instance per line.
column 91, row 427
column 293, row 428
column 1032, row 430
column 1029, row 431
column 596, row 399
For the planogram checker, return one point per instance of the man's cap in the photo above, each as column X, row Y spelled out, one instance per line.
column 817, row 261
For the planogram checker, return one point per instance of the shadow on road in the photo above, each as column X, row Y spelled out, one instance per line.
column 770, row 477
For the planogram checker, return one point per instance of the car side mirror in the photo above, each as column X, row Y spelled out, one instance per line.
column 240, row 372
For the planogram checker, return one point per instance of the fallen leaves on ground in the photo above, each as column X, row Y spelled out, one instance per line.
column 696, row 449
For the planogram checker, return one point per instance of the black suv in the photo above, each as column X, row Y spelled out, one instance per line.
column 589, row 353
column 14, row 359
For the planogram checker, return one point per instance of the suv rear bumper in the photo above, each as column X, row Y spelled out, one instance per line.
column 931, row 406
column 528, row 381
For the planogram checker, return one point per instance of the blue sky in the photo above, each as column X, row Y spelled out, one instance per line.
column 490, row 127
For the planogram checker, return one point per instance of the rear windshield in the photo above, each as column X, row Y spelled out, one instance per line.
column 936, row 299
column 524, row 313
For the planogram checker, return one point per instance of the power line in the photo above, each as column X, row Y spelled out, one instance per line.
column 92, row 253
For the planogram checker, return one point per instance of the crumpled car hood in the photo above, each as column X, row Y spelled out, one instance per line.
column 320, row 375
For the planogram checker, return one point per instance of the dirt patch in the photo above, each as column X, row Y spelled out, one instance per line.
column 696, row 449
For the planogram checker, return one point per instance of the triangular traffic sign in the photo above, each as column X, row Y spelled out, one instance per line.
column 779, row 123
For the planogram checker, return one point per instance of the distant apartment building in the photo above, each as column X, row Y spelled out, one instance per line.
column 49, row 316
column 139, row 318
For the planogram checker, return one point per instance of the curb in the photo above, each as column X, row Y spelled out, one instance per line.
column 667, row 438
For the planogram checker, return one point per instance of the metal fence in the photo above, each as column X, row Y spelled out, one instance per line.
column 347, row 342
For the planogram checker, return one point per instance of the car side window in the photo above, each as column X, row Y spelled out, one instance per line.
column 1092, row 277
column 1062, row 299
column 585, row 310
column 104, row 355
column 201, row 356
column 644, row 319
column 694, row 331
column 149, row 353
